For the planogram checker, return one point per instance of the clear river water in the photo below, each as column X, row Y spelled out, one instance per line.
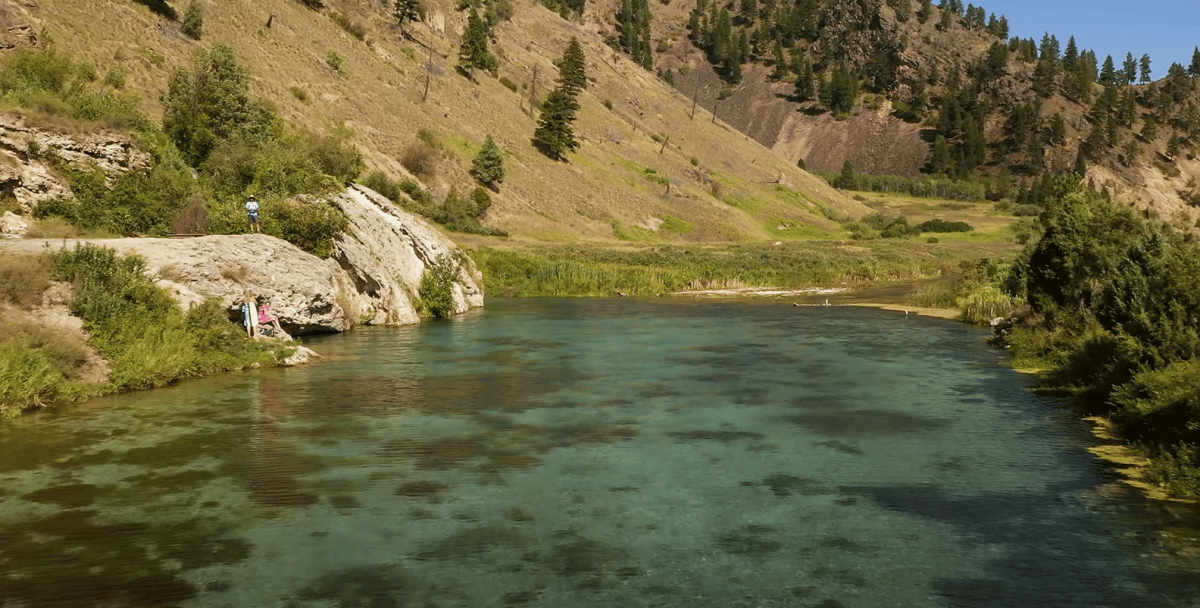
column 609, row 453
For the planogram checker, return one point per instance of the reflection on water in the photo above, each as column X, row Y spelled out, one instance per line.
column 590, row 453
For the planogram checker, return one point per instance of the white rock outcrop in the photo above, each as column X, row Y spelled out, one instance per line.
column 384, row 255
column 372, row 277
column 24, row 154
column 12, row 226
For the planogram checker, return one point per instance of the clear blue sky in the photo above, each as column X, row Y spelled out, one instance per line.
column 1167, row 30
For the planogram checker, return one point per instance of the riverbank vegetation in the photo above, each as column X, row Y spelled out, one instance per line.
column 143, row 335
column 1115, row 301
column 596, row 271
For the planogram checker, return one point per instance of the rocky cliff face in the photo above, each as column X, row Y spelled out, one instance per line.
column 25, row 152
column 383, row 256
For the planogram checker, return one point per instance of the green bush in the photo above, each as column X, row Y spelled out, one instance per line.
column 49, row 83
column 146, row 337
column 310, row 226
column 437, row 288
column 381, row 183
column 488, row 165
column 27, row 378
column 193, row 20
column 939, row 225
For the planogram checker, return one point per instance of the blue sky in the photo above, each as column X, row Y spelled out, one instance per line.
column 1168, row 31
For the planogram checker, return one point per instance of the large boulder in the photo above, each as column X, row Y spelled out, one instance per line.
column 384, row 254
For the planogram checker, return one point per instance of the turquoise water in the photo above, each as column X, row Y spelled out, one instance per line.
column 566, row 453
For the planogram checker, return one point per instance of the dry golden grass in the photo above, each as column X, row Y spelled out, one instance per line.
column 379, row 91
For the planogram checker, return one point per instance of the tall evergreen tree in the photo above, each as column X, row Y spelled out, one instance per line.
column 1108, row 73
column 1145, row 66
column 555, row 134
column 473, row 53
column 572, row 74
column 1129, row 69
column 635, row 31
column 405, row 12
column 939, row 158
column 804, row 82
column 1194, row 68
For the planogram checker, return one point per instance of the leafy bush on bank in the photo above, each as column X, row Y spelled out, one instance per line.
column 1117, row 298
column 146, row 337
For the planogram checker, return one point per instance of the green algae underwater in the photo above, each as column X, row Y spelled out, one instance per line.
column 618, row 452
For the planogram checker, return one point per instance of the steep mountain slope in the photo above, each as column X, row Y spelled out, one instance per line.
column 915, row 79
column 645, row 170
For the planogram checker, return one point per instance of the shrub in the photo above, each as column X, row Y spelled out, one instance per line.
column 193, row 20
column 381, row 183
column 335, row 61
column 939, row 225
column 508, row 84
column 147, row 338
column 420, row 160
column 115, row 79
column 437, row 288
column 210, row 103
column 23, row 279
column 27, row 378
column 310, row 226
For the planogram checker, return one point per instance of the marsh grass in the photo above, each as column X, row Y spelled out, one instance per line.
column 584, row 271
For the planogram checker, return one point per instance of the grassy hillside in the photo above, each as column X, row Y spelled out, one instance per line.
column 708, row 183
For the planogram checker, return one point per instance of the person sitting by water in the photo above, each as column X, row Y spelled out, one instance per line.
column 266, row 318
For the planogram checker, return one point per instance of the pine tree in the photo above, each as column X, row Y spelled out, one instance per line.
column 804, row 82
column 925, row 11
column 572, row 75
column 846, row 179
column 1043, row 78
column 1070, row 56
column 405, row 12
column 488, row 166
column 781, row 68
column 554, row 133
column 1058, row 130
column 635, row 31
column 1080, row 163
column 1108, row 73
column 1129, row 71
column 1194, row 68
column 939, row 159
column 473, row 54
column 1145, row 65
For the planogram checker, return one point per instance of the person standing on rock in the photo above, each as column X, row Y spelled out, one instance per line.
column 252, row 209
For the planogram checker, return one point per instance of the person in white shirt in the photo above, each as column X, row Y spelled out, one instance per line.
column 252, row 209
